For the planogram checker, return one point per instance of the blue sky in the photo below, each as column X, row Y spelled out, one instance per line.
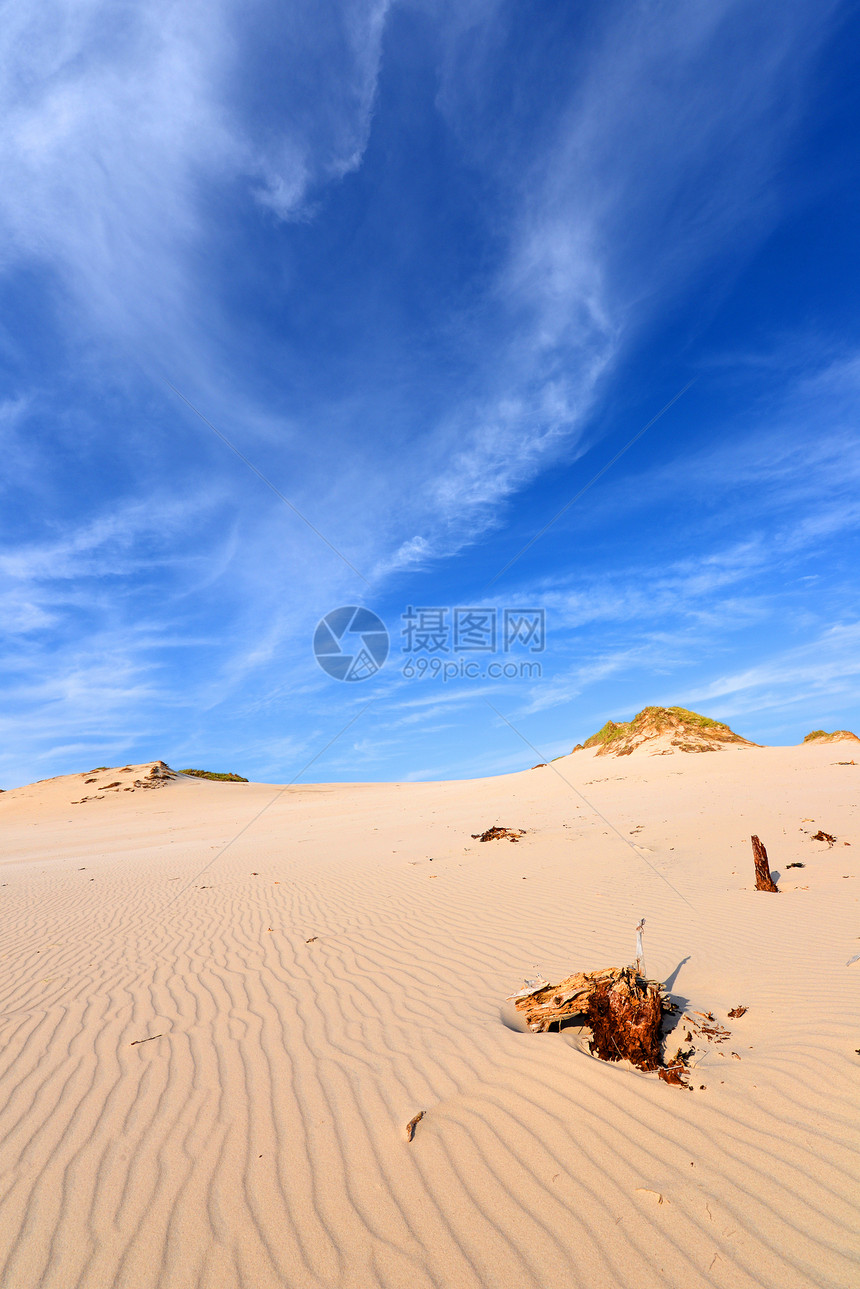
column 428, row 267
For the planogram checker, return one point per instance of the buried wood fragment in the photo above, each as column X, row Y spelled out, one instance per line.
column 496, row 833
column 675, row 1070
column 413, row 1124
column 763, row 879
column 821, row 835
column 625, row 1012
column 712, row 1030
column 625, row 1021
column 738, row 1011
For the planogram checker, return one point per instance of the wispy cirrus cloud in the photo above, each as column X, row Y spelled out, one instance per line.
column 826, row 667
column 120, row 124
column 615, row 205
column 398, row 264
column 120, row 131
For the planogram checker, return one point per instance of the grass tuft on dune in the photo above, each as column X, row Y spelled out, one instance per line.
column 211, row 774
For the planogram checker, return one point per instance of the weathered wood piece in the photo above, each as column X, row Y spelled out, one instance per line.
column 413, row 1124
column 624, row 1011
column 496, row 833
column 625, row 1018
column 763, row 879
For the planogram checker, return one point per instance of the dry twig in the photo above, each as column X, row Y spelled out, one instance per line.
column 413, row 1124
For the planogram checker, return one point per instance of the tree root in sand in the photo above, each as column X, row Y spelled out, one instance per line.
column 625, row 1012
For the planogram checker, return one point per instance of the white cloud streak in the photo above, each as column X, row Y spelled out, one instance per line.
column 608, row 220
column 119, row 119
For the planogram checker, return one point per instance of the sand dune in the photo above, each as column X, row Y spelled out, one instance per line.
column 209, row 1056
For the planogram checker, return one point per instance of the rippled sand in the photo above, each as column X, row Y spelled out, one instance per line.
column 340, row 967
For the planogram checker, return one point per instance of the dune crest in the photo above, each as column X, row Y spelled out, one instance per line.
column 838, row 736
column 105, row 782
column 661, row 731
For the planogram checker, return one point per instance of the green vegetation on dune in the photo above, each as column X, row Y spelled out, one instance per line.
column 608, row 734
column 829, row 736
column 690, row 718
column 649, row 718
column 210, row 774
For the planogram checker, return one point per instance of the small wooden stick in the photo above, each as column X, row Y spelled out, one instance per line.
column 413, row 1124
column 763, row 879
column 640, row 955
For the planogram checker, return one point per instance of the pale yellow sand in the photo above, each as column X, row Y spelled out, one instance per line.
column 260, row 1140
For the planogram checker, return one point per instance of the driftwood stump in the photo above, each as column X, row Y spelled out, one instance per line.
column 625, row 1020
column 624, row 1011
column 763, row 879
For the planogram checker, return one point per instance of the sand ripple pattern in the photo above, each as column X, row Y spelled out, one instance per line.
column 259, row 1140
